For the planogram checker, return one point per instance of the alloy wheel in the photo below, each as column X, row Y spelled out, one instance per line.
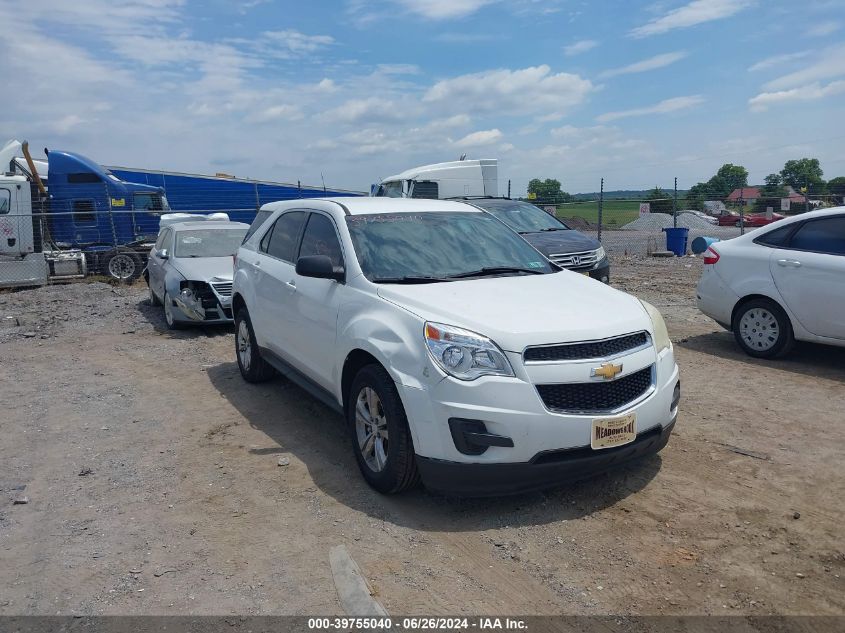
column 371, row 429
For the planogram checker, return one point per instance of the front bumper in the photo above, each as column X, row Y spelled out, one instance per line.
column 602, row 271
column 512, row 408
column 544, row 471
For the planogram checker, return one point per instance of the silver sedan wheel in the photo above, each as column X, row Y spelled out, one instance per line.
column 244, row 346
column 371, row 429
column 759, row 329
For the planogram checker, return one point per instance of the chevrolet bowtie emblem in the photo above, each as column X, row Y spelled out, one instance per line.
column 608, row 371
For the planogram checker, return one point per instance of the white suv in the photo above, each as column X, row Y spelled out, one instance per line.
column 456, row 351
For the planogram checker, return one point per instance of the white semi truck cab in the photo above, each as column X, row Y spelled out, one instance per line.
column 443, row 180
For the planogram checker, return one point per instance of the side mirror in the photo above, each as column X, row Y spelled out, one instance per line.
column 163, row 254
column 320, row 267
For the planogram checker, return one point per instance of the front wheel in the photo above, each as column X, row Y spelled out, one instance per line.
column 379, row 432
column 169, row 316
column 762, row 329
column 154, row 301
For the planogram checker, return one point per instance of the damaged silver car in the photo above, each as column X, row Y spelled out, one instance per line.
column 189, row 270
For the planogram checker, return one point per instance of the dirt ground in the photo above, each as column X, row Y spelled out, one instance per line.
column 153, row 485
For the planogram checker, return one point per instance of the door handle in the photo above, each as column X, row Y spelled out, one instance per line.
column 790, row 263
column 291, row 284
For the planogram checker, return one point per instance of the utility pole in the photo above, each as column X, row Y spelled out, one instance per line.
column 601, row 206
column 675, row 206
column 741, row 213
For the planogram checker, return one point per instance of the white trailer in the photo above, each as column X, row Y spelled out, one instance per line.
column 443, row 180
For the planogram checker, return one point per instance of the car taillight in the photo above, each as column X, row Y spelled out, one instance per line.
column 711, row 255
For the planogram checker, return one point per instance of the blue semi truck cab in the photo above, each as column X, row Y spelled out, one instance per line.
column 112, row 221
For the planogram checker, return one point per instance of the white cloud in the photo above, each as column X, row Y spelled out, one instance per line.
column 696, row 12
column 824, row 29
column 810, row 92
column 667, row 105
column 579, row 47
column 830, row 64
column 443, row 9
column 777, row 60
column 398, row 69
column 295, row 42
column 369, row 110
column 480, row 138
column 511, row 92
column 276, row 113
column 652, row 63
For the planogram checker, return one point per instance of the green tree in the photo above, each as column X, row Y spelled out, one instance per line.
column 804, row 172
column 660, row 200
column 836, row 188
column 774, row 186
column 547, row 190
column 730, row 177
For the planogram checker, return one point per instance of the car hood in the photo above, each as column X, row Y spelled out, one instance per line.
column 204, row 268
column 524, row 310
column 548, row 242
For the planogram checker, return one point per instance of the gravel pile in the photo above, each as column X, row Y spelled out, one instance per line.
column 659, row 221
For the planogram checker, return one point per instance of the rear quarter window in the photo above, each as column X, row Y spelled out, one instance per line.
column 260, row 219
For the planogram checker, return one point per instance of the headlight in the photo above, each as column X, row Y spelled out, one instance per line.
column 661, row 334
column 600, row 254
column 464, row 354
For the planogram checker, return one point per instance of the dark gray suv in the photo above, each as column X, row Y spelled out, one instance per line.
column 562, row 245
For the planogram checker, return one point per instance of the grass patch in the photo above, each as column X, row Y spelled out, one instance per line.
column 614, row 212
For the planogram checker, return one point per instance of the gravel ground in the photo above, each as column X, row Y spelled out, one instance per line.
column 152, row 483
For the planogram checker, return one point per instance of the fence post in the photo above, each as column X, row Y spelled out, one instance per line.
column 675, row 206
column 299, row 187
column 111, row 218
column 601, row 205
column 509, row 187
column 741, row 213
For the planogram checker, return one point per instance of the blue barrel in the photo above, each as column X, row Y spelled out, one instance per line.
column 702, row 243
column 676, row 240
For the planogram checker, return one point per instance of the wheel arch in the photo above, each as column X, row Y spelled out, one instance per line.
column 353, row 363
column 238, row 302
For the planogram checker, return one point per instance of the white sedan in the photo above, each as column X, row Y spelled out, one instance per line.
column 780, row 283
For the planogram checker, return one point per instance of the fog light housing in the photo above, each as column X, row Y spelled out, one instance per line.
column 472, row 438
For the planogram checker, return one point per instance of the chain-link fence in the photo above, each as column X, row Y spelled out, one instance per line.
column 635, row 225
column 92, row 228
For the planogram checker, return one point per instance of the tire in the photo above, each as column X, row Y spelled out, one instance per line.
column 122, row 265
column 253, row 368
column 154, row 300
column 389, row 470
column 169, row 317
column 762, row 329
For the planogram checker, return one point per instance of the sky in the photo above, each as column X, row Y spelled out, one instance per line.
column 352, row 91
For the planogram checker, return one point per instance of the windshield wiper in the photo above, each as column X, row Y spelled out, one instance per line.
column 494, row 270
column 552, row 228
column 408, row 279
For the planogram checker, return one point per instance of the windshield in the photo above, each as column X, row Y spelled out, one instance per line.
column 434, row 246
column 208, row 242
column 521, row 216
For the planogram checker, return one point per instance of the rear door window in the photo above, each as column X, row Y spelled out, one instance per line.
column 825, row 235
column 282, row 240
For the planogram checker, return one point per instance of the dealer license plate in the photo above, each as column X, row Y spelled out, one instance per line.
column 610, row 432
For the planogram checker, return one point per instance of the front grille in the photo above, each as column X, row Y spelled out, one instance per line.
column 586, row 350
column 575, row 261
column 223, row 288
column 596, row 397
